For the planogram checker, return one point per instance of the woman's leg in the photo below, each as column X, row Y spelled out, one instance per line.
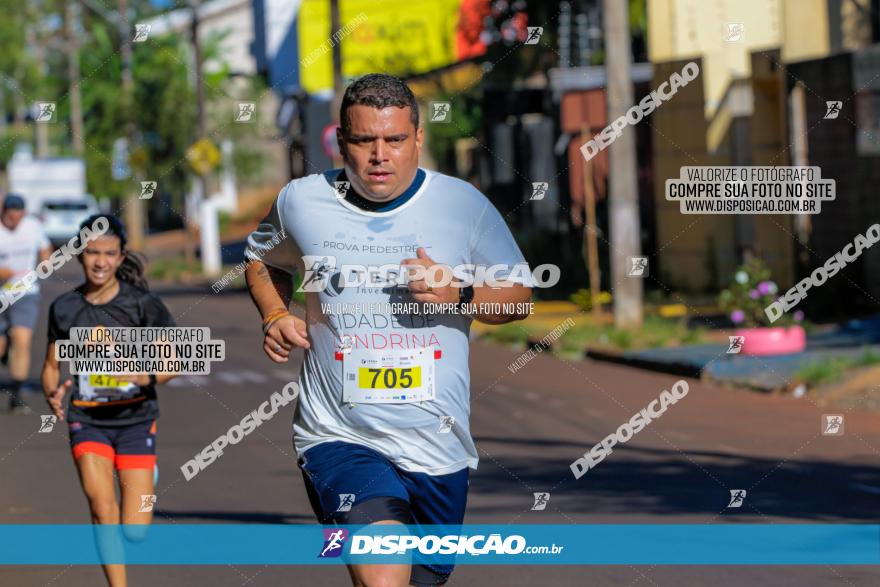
column 96, row 477
column 136, row 486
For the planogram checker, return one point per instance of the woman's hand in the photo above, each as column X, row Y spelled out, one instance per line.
column 55, row 399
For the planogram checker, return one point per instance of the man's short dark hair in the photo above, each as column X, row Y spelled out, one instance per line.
column 378, row 90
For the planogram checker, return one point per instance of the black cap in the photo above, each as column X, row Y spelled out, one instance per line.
column 13, row 202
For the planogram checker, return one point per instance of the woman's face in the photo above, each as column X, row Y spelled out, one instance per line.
column 101, row 258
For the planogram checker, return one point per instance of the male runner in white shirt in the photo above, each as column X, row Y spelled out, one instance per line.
column 382, row 426
column 23, row 245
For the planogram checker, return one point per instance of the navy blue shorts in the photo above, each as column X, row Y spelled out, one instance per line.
column 352, row 484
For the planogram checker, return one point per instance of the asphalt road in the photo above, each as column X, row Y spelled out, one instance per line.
column 528, row 426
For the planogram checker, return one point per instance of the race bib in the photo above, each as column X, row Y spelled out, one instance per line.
column 388, row 377
column 101, row 387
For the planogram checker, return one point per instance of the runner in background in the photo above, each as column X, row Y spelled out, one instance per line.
column 112, row 420
column 23, row 245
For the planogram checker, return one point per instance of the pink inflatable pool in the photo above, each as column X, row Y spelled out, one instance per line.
column 775, row 340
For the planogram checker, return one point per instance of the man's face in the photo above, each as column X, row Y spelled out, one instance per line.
column 11, row 218
column 381, row 151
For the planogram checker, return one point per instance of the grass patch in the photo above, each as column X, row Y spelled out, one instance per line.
column 656, row 332
column 172, row 269
column 833, row 369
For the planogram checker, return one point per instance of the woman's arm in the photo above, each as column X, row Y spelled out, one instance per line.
column 50, row 378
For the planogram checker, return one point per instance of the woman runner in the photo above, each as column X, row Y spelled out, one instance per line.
column 112, row 420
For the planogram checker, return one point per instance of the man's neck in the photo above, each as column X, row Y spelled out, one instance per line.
column 365, row 203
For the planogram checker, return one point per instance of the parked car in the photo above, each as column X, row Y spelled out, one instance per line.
column 62, row 217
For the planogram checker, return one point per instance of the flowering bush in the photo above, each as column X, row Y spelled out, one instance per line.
column 752, row 290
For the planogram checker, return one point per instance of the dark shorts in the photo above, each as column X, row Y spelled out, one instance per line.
column 334, row 471
column 22, row 314
column 128, row 447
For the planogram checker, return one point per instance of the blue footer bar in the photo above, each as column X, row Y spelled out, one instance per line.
column 588, row 544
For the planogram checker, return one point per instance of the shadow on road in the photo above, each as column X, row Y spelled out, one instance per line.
column 646, row 481
column 251, row 517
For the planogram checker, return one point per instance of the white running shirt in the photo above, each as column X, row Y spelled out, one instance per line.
column 456, row 224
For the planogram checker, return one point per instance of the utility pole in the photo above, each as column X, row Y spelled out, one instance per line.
column 134, row 210
column 201, row 132
column 337, row 60
column 623, row 187
column 77, row 131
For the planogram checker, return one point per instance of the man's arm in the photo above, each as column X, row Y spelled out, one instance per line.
column 271, row 290
column 517, row 297
column 45, row 253
column 485, row 297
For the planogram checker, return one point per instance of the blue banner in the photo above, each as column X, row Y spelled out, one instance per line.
column 594, row 544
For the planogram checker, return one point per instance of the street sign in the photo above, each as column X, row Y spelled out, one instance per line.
column 120, row 167
column 203, row 156
column 328, row 141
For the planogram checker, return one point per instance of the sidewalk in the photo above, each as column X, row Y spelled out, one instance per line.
column 769, row 373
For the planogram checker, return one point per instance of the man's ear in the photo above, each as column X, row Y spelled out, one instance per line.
column 340, row 141
column 420, row 137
